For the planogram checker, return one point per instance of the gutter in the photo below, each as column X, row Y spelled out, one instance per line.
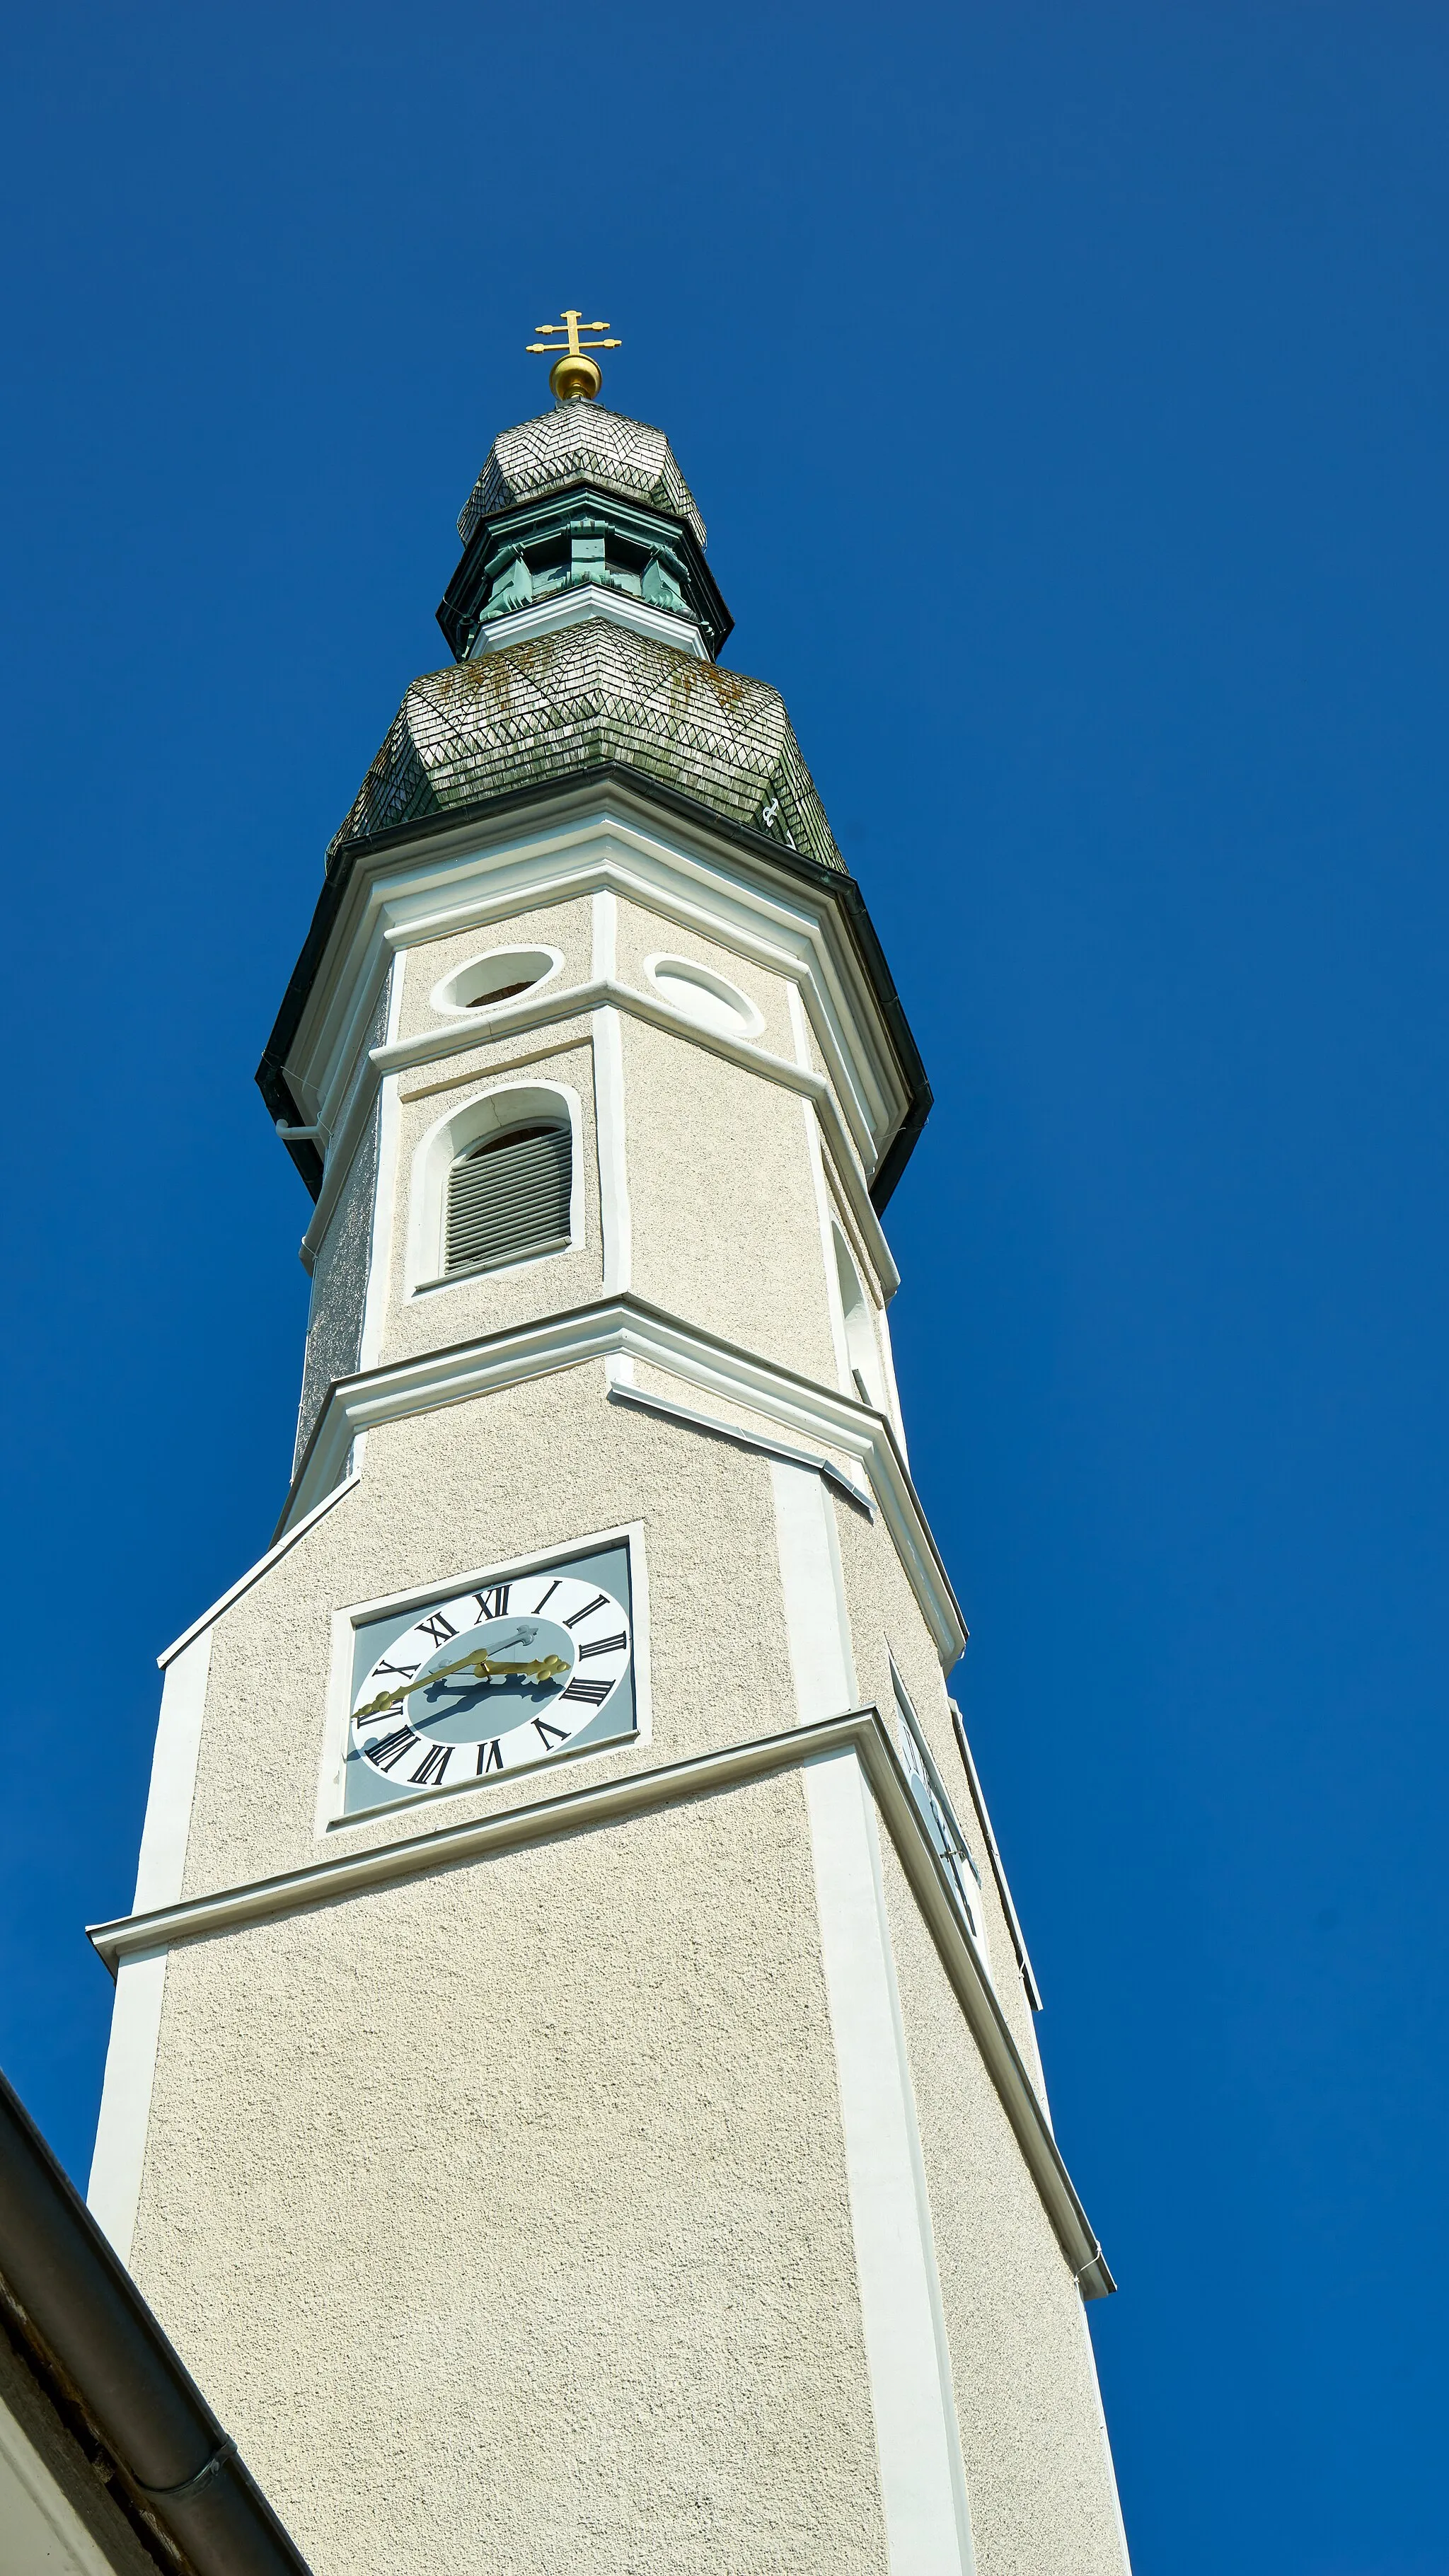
column 92, row 2335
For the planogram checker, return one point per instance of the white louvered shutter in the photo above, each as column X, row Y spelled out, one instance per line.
column 509, row 1196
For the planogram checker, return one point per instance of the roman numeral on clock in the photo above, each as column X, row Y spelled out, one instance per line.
column 600, row 1601
column 388, row 1751
column 603, row 1646
column 439, row 1628
column 593, row 1692
column 490, row 1757
column 430, row 1771
column 548, row 1596
column 404, row 1672
column 550, row 1735
column 492, row 1602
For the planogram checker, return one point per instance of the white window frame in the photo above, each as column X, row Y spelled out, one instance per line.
column 442, row 997
column 490, row 1110
column 746, row 1021
column 937, row 1814
column 860, row 1341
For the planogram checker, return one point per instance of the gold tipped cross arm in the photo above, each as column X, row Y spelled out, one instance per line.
column 574, row 373
column 480, row 1663
column 573, row 324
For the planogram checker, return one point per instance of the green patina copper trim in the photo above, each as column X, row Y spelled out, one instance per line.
column 516, row 556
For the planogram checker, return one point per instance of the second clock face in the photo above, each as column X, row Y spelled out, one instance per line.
column 488, row 1681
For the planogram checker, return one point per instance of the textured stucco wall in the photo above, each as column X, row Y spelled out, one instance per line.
column 475, row 1484
column 566, row 926
column 503, row 2216
column 332, row 2090
column 726, row 1226
column 1037, row 2468
column 541, row 2157
column 722, row 1199
column 643, row 934
column 339, row 1283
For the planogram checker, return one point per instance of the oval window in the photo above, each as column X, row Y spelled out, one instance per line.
column 704, row 996
column 499, row 977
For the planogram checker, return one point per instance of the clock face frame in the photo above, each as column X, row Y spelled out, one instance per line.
column 491, row 1677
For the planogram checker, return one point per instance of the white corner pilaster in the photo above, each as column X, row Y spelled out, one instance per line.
column 114, row 2191
column 120, row 2152
column 614, row 1217
column 384, row 1188
column 162, row 1862
column 918, row 2445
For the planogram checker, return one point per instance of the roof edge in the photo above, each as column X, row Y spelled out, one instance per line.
column 837, row 883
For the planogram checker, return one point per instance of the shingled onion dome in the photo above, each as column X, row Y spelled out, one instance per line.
column 575, row 700
column 580, row 443
column 582, row 499
column 585, row 625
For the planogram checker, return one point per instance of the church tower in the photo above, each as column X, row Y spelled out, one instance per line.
column 572, row 2096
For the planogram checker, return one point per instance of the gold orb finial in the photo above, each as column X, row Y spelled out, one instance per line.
column 574, row 375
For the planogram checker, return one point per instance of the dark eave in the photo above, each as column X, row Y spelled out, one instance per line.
column 841, row 889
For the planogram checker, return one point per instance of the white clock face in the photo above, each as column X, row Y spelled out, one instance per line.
column 490, row 1681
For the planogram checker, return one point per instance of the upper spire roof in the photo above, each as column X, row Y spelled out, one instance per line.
column 580, row 443
column 585, row 624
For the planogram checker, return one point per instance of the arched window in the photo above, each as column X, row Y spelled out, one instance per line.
column 861, row 1350
column 508, row 1197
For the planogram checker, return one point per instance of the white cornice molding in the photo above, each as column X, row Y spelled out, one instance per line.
column 575, row 606
column 476, row 876
column 815, row 1415
column 558, row 1003
column 353, row 1873
column 735, row 1434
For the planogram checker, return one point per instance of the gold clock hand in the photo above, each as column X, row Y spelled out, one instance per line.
column 480, row 1662
column 477, row 1662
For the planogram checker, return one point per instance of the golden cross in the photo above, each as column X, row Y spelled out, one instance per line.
column 573, row 371
column 572, row 323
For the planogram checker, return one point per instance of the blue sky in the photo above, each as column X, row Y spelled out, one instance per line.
column 1064, row 387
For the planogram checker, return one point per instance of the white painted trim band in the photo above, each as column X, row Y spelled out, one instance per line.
column 643, row 1402
column 860, row 1731
column 113, row 2194
column 615, row 1220
column 918, row 2440
column 627, row 1324
column 575, row 607
column 477, row 875
column 851, row 1144
column 162, row 1863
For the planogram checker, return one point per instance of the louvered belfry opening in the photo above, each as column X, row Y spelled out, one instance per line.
column 508, row 1196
